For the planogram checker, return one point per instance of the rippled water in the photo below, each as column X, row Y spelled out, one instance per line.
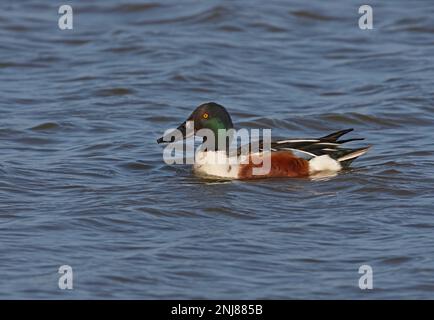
column 83, row 182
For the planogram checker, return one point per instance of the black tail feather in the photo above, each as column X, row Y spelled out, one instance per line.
column 350, row 140
column 328, row 145
column 335, row 135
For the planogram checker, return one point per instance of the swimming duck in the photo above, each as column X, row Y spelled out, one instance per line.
column 288, row 158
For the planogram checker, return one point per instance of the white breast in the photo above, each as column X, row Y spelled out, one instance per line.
column 216, row 164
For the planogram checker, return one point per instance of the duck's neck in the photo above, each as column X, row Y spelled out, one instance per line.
column 218, row 145
column 222, row 135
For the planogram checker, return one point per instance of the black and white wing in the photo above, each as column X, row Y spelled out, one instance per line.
column 328, row 145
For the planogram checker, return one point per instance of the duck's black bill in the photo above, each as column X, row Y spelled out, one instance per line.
column 175, row 135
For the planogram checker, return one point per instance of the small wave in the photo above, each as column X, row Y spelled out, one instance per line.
column 230, row 28
column 35, row 141
column 332, row 94
column 23, row 65
column 113, row 92
column 396, row 260
column 358, row 118
column 47, row 126
column 123, row 49
column 420, row 29
column 304, row 14
column 213, row 15
column 98, row 146
column 137, row 166
column 18, row 28
column 268, row 27
column 135, row 7
column 74, row 42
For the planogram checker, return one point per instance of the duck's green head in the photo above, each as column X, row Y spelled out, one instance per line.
column 209, row 115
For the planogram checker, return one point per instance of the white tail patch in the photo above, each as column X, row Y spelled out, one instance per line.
column 323, row 163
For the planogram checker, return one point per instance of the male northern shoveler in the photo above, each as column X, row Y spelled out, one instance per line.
column 289, row 158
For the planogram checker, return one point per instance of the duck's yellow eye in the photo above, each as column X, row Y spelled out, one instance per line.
column 205, row 115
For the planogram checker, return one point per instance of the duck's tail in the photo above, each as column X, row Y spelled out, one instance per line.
column 346, row 156
column 336, row 135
